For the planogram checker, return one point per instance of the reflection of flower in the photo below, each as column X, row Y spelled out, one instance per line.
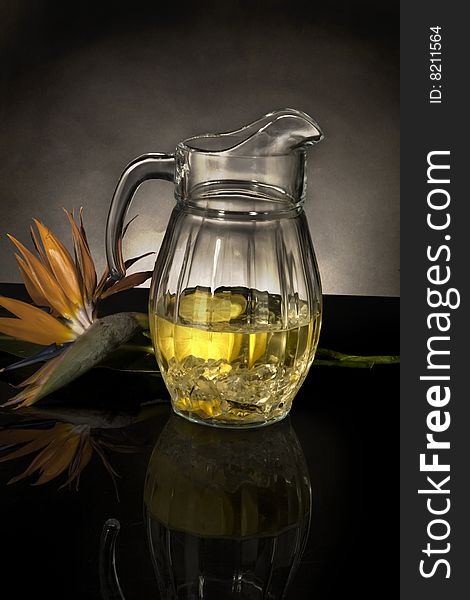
column 59, row 447
column 64, row 438
column 64, row 446
column 66, row 292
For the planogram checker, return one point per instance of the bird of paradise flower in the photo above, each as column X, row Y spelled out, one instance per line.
column 62, row 447
column 66, row 293
column 65, row 440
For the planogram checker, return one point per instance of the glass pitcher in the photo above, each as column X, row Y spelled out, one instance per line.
column 227, row 512
column 235, row 300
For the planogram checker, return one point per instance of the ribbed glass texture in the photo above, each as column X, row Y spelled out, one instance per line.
column 228, row 513
column 235, row 300
column 236, row 312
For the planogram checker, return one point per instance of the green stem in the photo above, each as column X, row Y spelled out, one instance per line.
column 331, row 358
column 137, row 348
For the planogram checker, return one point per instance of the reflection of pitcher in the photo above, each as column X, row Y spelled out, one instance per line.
column 235, row 302
column 228, row 512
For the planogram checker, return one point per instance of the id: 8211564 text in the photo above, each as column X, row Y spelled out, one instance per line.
column 435, row 64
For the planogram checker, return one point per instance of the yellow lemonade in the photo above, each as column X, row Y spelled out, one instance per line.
column 231, row 357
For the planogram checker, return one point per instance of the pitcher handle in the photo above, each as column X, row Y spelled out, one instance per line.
column 148, row 166
column 109, row 583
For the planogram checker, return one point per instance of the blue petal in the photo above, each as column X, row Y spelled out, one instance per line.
column 46, row 354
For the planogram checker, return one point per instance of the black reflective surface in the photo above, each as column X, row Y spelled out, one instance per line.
column 341, row 438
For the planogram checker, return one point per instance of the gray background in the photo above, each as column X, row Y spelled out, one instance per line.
column 86, row 88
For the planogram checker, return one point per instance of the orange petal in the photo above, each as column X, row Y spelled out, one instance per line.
column 82, row 458
column 61, row 458
column 26, row 397
column 33, row 324
column 39, row 377
column 127, row 283
column 102, row 283
column 23, row 331
column 13, row 437
column 46, row 455
column 34, row 292
column 21, row 399
column 85, row 260
column 82, row 228
column 61, row 264
column 39, row 439
column 34, row 385
column 37, row 245
column 130, row 261
column 44, row 281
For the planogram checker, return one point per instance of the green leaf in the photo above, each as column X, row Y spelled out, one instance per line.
column 136, row 356
column 17, row 347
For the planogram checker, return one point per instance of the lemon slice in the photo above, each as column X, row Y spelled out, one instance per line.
column 257, row 346
column 201, row 307
column 181, row 341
